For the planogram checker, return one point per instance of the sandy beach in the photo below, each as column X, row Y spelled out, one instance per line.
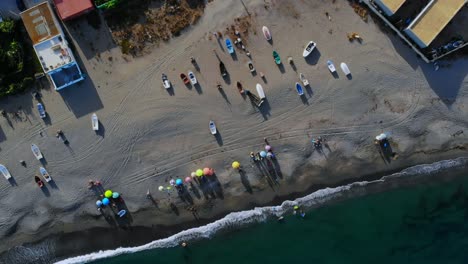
column 148, row 136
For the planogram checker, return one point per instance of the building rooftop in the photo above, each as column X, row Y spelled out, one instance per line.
column 68, row 9
column 433, row 19
column 53, row 53
column 392, row 5
column 40, row 23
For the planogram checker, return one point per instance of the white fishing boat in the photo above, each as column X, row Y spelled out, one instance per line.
column 4, row 171
column 95, row 122
column 260, row 91
column 213, row 127
column 303, row 79
column 345, row 68
column 266, row 33
column 45, row 174
column 35, row 150
column 165, row 81
column 192, row 78
column 309, row 48
column 331, row 66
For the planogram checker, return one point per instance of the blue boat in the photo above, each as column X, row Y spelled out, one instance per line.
column 229, row 46
column 299, row 89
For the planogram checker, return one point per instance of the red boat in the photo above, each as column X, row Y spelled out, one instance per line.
column 239, row 87
column 39, row 181
column 184, row 78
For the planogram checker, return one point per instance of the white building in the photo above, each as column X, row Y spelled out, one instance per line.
column 51, row 48
column 432, row 20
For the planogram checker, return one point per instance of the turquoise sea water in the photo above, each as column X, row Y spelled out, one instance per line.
column 427, row 224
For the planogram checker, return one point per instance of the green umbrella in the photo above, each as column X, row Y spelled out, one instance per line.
column 108, row 194
column 199, row 172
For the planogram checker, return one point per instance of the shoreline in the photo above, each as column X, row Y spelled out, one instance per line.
column 63, row 246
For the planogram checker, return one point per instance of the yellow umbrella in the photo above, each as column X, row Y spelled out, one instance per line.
column 199, row 172
column 108, row 194
column 236, row 165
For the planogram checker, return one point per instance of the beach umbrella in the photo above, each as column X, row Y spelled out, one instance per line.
column 193, row 174
column 188, row 179
column 267, row 147
column 98, row 203
column 161, row 188
column 178, row 182
column 172, row 182
column 108, row 194
column 236, row 165
column 199, row 172
column 208, row 171
column 115, row 195
column 263, row 154
column 105, row 201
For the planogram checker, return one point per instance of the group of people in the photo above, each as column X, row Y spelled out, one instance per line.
column 256, row 157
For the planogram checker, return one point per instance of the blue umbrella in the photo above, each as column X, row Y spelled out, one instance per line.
column 98, row 203
column 115, row 195
column 178, row 182
column 105, row 201
column 263, row 154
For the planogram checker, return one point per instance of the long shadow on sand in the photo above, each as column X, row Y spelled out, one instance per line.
column 314, row 57
column 102, row 130
column 218, row 137
column 12, row 181
column 265, row 109
column 82, row 98
column 446, row 82
column 245, row 181
column 224, row 95
column 198, row 88
column 45, row 190
column 304, row 99
column 281, row 68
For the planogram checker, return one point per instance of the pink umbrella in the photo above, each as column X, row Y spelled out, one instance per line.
column 188, row 179
column 172, row 182
column 207, row 172
column 267, row 147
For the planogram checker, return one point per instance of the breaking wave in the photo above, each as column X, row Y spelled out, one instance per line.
column 241, row 219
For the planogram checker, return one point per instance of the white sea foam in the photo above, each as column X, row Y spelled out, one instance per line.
column 260, row 214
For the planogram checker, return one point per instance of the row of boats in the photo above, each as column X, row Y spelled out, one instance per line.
column 38, row 154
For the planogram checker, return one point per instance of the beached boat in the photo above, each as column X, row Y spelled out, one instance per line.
column 184, row 78
column 4, row 171
column 35, row 150
column 251, row 67
column 222, row 69
column 266, row 33
column 299, row 89
column 309, row 48
column 240, row 88
column 276, row 57
column 303, row 79
column 229, row 46
column 165, row 81
column 212, row 126
column 42, row 112
column 260, row 91
column 331, row 66
column 39, row 182
column 345, row 68
column 45, row 174
column 95, row 122
column 192, row 78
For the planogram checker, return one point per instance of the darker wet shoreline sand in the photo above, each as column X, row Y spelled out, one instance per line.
column 64, row 245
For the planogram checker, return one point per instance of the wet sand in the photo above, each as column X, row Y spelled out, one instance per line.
column 148, row 136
